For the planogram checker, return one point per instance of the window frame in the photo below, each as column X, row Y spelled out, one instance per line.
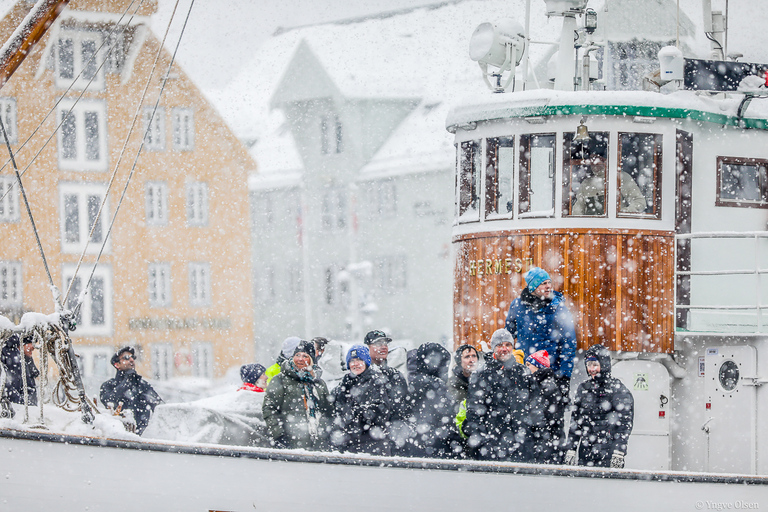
column 333, row 217
column 657, row 177
column 159, row 284
column 197, row 214
column 156, row 203
column 493, row 147
column 157, row 126
column 568, row 164
column 199, row 295
column 79, row 80
column 202, row 359
column 524, row 176
column 9, row 199
column 763, row 183
column 183, row 123
column 10, row 116
column 79, row 110
column 12, row 286
column 469, row 190
column 162, row 360
column 84, row 191
column 85, row 324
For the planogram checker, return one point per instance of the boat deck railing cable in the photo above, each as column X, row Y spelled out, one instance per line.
column 138, row 152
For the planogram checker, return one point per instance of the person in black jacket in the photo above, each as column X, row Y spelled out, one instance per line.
column 432, row 410
column 11, row 359
column 499, row 417
column 467, row 360
column 547, row 432
column 603, row 412
column 128, row 391
column 362, row 407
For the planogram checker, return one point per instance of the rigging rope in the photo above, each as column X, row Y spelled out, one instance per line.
column 138, row 152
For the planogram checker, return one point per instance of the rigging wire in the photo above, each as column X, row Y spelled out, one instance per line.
column 164, row 81
column 111, row 33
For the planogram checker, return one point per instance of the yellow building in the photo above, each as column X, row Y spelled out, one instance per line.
column 174, row 277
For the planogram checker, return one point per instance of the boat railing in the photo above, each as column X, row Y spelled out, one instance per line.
column 720, row 283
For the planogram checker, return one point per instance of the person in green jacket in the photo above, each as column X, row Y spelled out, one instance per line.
column 286, row 352
column 296, row 408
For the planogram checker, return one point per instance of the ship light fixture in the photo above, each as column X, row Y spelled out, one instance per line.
column 590, row 21
column 499, row 45
column 582, row 134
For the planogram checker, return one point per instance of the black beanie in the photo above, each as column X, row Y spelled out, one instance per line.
column 250, row 373
column 307, row 347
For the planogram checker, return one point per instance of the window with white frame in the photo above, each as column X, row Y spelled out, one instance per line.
column 9, row 199
column 197, row 204
column 159, row 285
column 334, row 213
column 77, row 59
column 95, row 314
column 154, row 128
column 183, row 129
column 391, row 273
column 79, row 206
column 94, row 363
column 331, row 134
column 162, row 361
column 383, row 199
column 202, row 359
column 199, row 284
column 11, row 286
column 82, row 136
column 156, row 201
column 10, row 119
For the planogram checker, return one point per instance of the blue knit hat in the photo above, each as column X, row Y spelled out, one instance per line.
column 535, row 277
column 359, row 352
column 250, row 373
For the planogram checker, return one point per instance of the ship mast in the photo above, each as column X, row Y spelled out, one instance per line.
column 31, row 30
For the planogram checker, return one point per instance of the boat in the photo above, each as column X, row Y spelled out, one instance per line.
column 639, row 278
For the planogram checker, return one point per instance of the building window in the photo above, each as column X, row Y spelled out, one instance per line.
column 331, row 134
column 202, row 359
column 391, row 273
column 382, row 199
column 162, row 361
column 183, row 129
column 159, row 285
column 11, row 286
column 9, row 199
column 469, row 181
column 334, row 215
column 78, row 59
column 8, row 113
column 200, row 284
column 79, row 206
column 95, row 314
column 154, row 128
column 585, row 187
column 94, row 363
column 295, row 284
column 336, row 287
column 639, row 177
column 156, row 195
column 537, row 176
column 197, row 204
column 499, row 172
column 742, row 182
column 82, row 135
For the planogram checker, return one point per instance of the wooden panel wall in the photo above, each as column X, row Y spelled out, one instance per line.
column 619, row 284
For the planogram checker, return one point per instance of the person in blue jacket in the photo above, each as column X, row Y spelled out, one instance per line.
column 540, row 320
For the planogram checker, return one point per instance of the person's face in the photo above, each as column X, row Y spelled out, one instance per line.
column 468, row 361
column 531, row 367
column 126, row 362
column 262, row 381
column 593, row 368
column 28, row 349
column 379, row 351
column 301, row 360
column 544, row 290
column 356, row 366
column 503, row 351
column 319, row 350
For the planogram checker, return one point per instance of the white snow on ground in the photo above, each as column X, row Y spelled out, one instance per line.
column 59, row 421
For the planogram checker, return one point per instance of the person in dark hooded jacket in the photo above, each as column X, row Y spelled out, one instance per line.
column 499, row 416
column 547, row 432
column 362, row 407
column 467, row 360
column 432, row 411
column 11, row 358
column 602, row 415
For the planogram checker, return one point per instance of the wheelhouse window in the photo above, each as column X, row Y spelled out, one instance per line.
column 742, row 182
column 469, row 181
column 79, row 206
column 537, row 175
column 499, row 170
column 639, row 177
column 95, row 314
column 585, row 187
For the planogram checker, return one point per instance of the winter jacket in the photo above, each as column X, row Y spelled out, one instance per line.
column 458, row 384
column 431, row 406
column 362, row 413
column 602, row 414
column 296, row 409
column 499, row 419
column 547, row 431
column 14, row 385
column 130, row 391
column 544, row 324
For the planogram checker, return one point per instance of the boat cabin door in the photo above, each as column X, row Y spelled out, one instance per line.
column 731, row 409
